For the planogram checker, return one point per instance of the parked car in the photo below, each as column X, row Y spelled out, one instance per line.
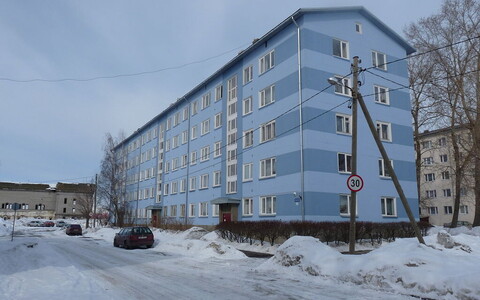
column 136, row 236
column 48, row 224
column 73, row 229
column 459, row 224
column 35, row 223
column 61, row 223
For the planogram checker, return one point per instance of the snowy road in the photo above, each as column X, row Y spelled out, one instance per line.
column 61, row 267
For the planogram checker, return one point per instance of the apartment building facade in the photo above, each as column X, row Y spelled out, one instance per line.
column 266, row 137
column 437, row 178
column 42, row 200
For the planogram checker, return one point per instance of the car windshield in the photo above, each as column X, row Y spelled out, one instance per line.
column 141, row 230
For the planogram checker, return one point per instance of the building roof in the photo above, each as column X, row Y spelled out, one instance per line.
column 427, row 133
column 23, row 186
column 60, row 187
column 258, row 42
column 75, row 187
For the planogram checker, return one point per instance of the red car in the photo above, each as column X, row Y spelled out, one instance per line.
column 131, row 237
column 48, row 224
column 74, row 229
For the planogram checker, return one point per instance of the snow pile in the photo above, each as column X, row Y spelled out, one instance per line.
column 5, row 227
column 190, row 243
column 449, row 268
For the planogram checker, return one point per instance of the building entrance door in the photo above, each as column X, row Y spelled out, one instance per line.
column 227, row 217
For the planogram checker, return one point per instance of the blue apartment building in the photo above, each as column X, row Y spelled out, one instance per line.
column 266, row 137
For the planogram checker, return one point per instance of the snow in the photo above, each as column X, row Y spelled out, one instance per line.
column 41, row 263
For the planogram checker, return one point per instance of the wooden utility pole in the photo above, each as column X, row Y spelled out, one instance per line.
column 353, row 194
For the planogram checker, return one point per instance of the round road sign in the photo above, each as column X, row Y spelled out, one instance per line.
column 355, row 183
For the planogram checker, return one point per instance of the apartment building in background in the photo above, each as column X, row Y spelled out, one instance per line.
column 42, row 200
column 267, row 138
column 437, row 178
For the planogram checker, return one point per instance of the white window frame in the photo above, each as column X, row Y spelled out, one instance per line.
column 217, row 149
column 218, row 92
column 384, row 204
column 429, row 177
column 262, row 96
column 432, row 210
column 247, row 105
column 205, row 153
column 343, row 88
column 266, row 62
column 448, row 210
column 184, row 136
column 203, row 209
column 345, row 122
column 443, row 157
column 463, row 209
column 247, row 207
column 247, row 170
column 267, row 131
column 218, row 120
column 193, row 157
column 194, row 133
column 231, row 186
column 348, row 167
column 217, row 178
column 428, row 160
column 358, row 28
column 191, row 210
column 383, row 169
column 174, row 187
column 194, row 107
column 185, row 113
column 206, row 100
column 382, row 94
column 263, row 207
column 347, row 196
column 166, row 188
column 248, row 138
column 206, row 126
column 381, row 131
column 183, row 185
column 343, row 47
column 215, row 210
column 375, row 60
column 264, row 168
column 204, row 178
column 247, row 74
column 192, row 185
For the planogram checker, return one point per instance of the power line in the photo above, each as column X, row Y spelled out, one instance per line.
column 119, row 75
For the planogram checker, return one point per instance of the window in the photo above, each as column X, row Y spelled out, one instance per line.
column 447, row 193
column 167, row 167
column 426, row 144
column 383, row 171
column 175, row 141
column 174, row 187
column 169, row 123
column 184, row 136
column 194, row 132
column 232, row 154
column 379, row 60
column 218, row 92
column 381, row 94
column 232, row 124
column 183, row 185
column 247, row 205
column 345, row 205
column 217, row 149
column 205, row 153
column 343, row 124
column 430, row 177
column 232, row 170
column 445, row 175
column 267, row 131
column 205, row 101
column 358, row 28
column 247, row 74
column 267, row 62
column 218, row 120
column 384, row 131
column 182, row 210
column 184, row 160
column 267, row 168
column 65, row 201
column 215, row 210
column 206, row 126
column 443, row 158
column 204, row 181
column 217, row 178
column 432, row 210
column 267, row 96
column 191, row 211
column 193, row 157
column 431, row 193
column 448, row 210
column 231, row 187
column 203, row 209
column 389, row 207
column 194, row 108
column 185, row 113
column 232, row 138
column 442, row 142
column 428, row 160
column 232, row 88
column 248, row 172
column 342, row 88
column 193, row 183
column 175, row 164
column 268, row 205
column 344, row 163
column 176, row 119
column 173, row 211
column 463, row 191
column 247, row 105
column 232, row 108
column 464, row 209
column 248, row 138
column 166, row 187
column 340, row 48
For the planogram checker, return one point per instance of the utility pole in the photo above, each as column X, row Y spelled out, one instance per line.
column 353, row 194
column 95, row 201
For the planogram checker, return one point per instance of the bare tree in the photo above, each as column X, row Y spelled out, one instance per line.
column 111, row 182
column 85, row 202
column 451, row 39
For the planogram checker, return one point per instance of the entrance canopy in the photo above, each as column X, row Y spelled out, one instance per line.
column 154, row 207
column 225, row 200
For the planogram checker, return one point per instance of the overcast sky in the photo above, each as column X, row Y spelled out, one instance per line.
column 54, row 131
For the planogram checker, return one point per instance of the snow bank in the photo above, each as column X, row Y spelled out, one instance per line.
column 404, row 266
column 5, row 227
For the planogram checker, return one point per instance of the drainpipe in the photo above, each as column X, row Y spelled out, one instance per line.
column 187, row 184
column 138, row 182
column 300, row 103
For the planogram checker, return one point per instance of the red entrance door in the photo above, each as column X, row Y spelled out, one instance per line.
column 227, row 217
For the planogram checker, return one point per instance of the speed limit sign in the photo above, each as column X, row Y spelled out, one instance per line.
column 355, row 183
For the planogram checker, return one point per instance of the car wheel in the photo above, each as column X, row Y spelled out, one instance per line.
column 149, row 246
column 125, row 245
column 115, row 244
